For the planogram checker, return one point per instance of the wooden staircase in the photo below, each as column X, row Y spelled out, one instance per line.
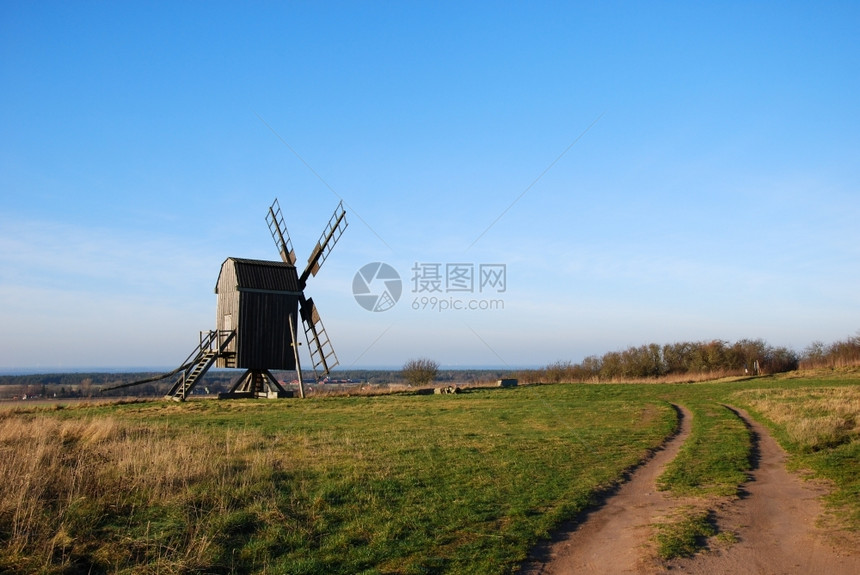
column 212, row 346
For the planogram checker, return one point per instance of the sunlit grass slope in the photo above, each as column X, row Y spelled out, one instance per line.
column 462, row 483
column 396, row 484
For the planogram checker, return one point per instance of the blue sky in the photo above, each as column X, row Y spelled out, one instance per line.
column 663, row 172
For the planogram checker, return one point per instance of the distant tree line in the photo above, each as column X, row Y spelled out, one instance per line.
column 94, row 384
column 72, row 379
column 672, row 361
column 844, row 353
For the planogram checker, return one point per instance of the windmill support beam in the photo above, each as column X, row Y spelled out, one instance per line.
column 256, row 383
column 296, row 355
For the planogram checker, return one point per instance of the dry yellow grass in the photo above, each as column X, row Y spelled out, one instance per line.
column 56, row 470
column 813, row 418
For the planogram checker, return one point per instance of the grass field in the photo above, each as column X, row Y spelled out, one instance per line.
column 462, row 483
column 820, row 426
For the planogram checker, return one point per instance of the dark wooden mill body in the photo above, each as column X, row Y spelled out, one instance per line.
column 256, row 299
column 259, row 305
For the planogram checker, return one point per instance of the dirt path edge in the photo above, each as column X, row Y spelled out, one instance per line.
column 775, row 521
column 599, row 538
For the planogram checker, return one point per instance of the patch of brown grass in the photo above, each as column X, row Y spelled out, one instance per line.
column 812, row 418
column 61, row 479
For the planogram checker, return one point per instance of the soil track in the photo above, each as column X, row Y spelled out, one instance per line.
column 774, row 522
column 612, row 538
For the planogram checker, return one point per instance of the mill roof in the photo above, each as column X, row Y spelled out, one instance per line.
column 262, row 275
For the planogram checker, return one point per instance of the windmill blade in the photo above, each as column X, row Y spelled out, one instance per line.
column 321, row 350
column 335, row 228
column 279, row 233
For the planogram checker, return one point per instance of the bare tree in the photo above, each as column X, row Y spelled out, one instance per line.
column 87, row 387
column 420, row 371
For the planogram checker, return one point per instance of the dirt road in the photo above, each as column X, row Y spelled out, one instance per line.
column 614, row 537
column 774, row 523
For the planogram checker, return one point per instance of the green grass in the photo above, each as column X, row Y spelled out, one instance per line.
column 685, row 534
column 819, row 427
column 397, row 484
column 463, row 483
column 712, row 463
column 715, row 458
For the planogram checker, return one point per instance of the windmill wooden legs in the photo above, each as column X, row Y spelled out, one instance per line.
column 256, row 383
column 261, row 382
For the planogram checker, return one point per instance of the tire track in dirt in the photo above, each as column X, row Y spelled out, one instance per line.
column 613, row 537
column 775, row 523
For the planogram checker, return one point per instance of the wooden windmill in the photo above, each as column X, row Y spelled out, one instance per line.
column 257, row 318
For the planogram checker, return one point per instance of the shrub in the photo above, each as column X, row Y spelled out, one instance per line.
column 420, row 371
